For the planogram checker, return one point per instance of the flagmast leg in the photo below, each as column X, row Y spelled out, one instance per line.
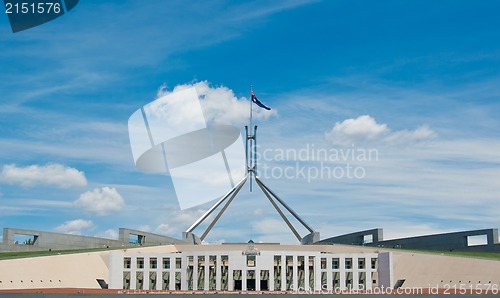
column 246, row 148
column 250, row 99
column 250, row 139
column 255, row 150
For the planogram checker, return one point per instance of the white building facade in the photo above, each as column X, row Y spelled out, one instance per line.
column 250, row 268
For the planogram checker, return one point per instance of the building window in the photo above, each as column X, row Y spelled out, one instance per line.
column 126, row 263
column 201, row 273
column 140, row 263
column 300, row 267
column 251, row 280
column 348, row 263
column 374, row 263
column 277, row 273
column 212, row 265
column 349, row 280
column 178, row 262
column 237, row 282
column 264, row 280
column 166, row 263
column 361, row 263
column 126, row 280
column 224, row 277
column 251, row 260
column 139, row 280
column 374, row 277
column 311, row 272
column 165, row 280
column 323, row 263
column 152, row 280
column 336, row 280
column 190, row 272
column 335, row 263
column 177, row 281
column 362, row 280
column 153, row 263
column 289, row 272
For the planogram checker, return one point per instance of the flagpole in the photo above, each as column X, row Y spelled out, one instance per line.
column 250, row 138
column 251, row 91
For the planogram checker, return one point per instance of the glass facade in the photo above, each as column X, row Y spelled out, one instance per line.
column 262, row 271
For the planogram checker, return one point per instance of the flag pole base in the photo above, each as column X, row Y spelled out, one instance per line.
column 190, row 238
column 310, row 238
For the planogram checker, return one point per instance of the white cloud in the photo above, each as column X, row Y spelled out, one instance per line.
column 178, row 221
column 108, row 234
column 165, row 229
column 259, row 212
column 272, row 228
column 422, row 133
column 220, row 104
column 355, row 130
column 75, row 226
column 145, row 228
column 365, row 129
column 50, row 174
column 101, row 201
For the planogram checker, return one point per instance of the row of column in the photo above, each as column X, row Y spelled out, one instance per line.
column 264, row 263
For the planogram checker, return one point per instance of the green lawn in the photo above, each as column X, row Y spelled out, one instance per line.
column 31, row 254
column 481, row 255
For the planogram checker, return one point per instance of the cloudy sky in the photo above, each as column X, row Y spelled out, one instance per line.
column 384, row 114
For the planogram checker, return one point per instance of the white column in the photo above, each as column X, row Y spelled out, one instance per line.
column 218, row 272
column 133, row 272
column 355, row 272
column 171, row 279
column 184, row 266
column 317, row 273
column 159, row 275
column 306, row 273
column 116, row 269
column 230, row 278
column 329, row 275
column 145, row 275
column 295, row 279
column 283, row 272
column 257, row 279
column 271, row 276
column 207, row 273
column 244, row 279
column 342, row 273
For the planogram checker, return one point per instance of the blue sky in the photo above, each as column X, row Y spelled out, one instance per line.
column 417, row 81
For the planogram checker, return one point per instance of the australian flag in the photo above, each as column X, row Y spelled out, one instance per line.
column 258, row 102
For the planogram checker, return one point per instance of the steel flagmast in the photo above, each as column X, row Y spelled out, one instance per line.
column 251, row 174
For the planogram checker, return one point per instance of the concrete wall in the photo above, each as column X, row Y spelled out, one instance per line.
column 82, row 270
column 59, row 271
column 146, row 238
column 456, row 241
column 54, row 241
column 386, row 277
column 356, row 238
column 449, row 241
column 57, row 241
column 446, row 272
